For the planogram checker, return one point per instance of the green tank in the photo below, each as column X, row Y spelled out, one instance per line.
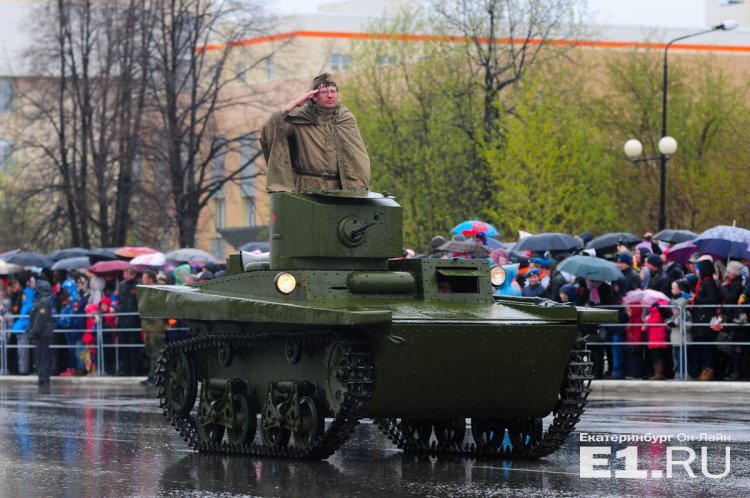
column 287, row 353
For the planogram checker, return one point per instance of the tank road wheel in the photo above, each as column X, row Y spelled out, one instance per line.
column 245, row 422
column 336, row 383
column 450, row 431
column 487, row 433
column 525, row 431
column 225, row 354
column 416, row 431
column 181, row 386
column 313, row 424
column 209, row 432
column 273, row 436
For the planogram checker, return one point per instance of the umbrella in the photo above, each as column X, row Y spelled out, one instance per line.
column 75, row 263
column 151, row 259
column 253, row 246
column 131, row 252
column 645, row 296
column 105, row 267
column 591, row 268
column 29, row 259
column 8, row 253
column 189, row 254
column 675, row 236
column 102, row 254
column 9, row 268
column 724, row 241
column 549, row 241
column 465, row 247
column 612, row 240
column 471, row 227
column 681, row 252
column 494, row 244
column 72, row 252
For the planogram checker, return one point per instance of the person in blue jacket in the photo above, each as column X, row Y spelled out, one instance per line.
column 21, row 324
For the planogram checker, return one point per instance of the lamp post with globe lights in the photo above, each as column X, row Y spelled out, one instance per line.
column 667, row 145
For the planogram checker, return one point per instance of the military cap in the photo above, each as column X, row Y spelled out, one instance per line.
column 322, row 79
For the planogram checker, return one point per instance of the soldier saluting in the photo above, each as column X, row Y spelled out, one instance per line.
column 314, row 143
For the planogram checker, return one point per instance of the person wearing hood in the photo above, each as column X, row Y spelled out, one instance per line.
column 41, row 326
column 314, row 143
column 705, row 305
column 509, row 287
column 181, row 274
column 97, row 285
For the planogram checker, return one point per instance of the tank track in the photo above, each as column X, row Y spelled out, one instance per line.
column 567, row 412
column 358, row 375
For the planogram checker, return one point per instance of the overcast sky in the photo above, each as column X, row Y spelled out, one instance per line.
column 661, row 13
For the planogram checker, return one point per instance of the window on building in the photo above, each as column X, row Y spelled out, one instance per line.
column 6, row 96
column 240, row 70
column 6, row 151
column 250, row 211
column 270, row 69
column 387, row 60
column 218, row 165
column 218, row 248
column 340, row 62
column 220, row 212
column 248, row 153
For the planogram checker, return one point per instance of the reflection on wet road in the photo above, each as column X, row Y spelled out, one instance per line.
column 107, row 440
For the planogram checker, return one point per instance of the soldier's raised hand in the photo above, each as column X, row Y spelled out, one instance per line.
column 301, row 100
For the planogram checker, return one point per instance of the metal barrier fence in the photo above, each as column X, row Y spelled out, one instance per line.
column 683, row 322
column 681, row 315
column 105, row 338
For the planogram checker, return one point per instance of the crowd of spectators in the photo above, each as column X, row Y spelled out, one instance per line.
column 83, row 304
column 698, row 303
column 646, row 343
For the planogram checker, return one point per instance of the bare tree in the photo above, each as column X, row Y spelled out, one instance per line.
column 503, row 38
column 86, row 115
column 190, row 87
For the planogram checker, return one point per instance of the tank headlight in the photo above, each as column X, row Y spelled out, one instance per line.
column 285, row 283
column 497, row 276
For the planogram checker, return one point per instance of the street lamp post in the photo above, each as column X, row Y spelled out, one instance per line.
column 667, row 144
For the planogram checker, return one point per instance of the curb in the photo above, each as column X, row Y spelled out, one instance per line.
column 668, row 386
column 598, row 386
column 85, row 380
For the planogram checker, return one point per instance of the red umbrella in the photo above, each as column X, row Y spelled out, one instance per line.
column 105, row 267
column 131, row 252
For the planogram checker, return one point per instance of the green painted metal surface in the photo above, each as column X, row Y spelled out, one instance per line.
column 436, row 354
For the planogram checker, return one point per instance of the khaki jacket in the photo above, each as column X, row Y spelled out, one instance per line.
column 306, row 149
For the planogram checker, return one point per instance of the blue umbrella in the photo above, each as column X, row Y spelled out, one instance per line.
column 591, row 268
column 474, row 226
column 725, row 241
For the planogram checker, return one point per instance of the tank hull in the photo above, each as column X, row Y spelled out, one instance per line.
column 328, row 329
column 464, row 369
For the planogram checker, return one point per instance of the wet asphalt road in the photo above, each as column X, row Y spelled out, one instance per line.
column 92, row 440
